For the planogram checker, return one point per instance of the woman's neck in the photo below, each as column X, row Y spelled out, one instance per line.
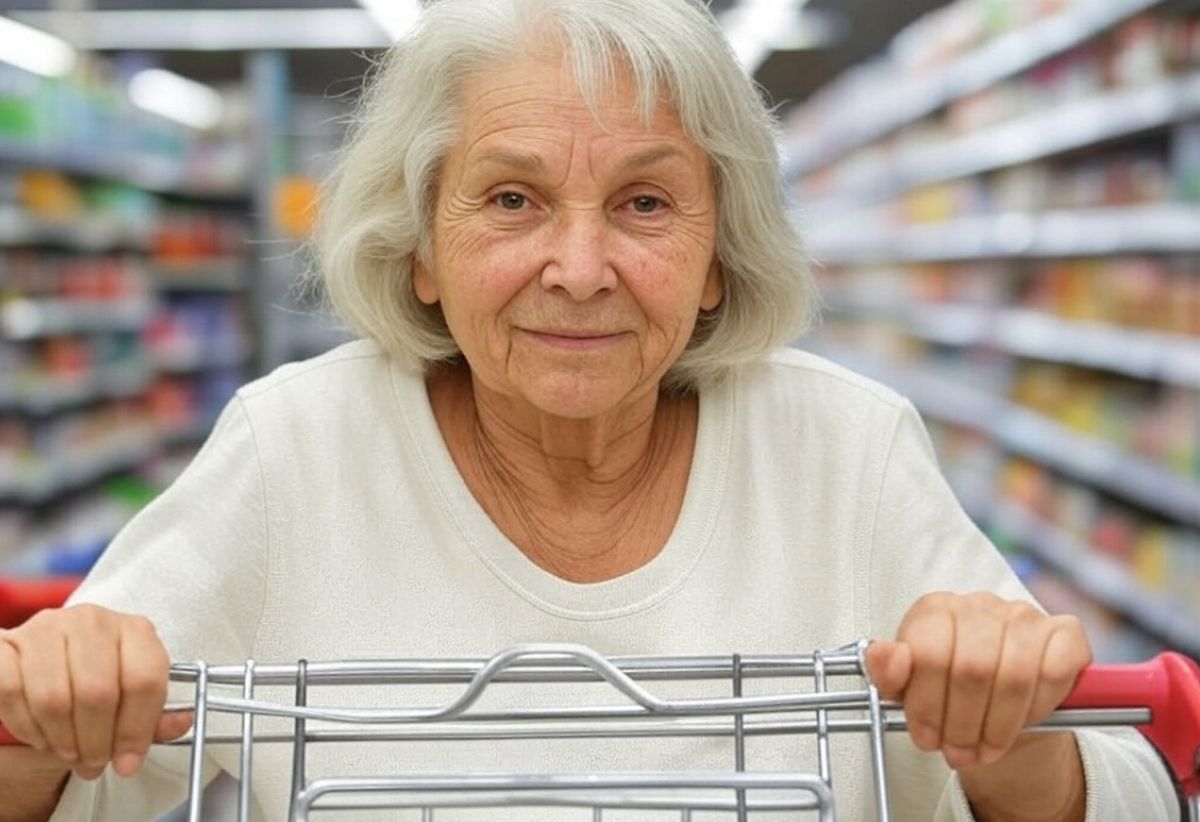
column 584, row 499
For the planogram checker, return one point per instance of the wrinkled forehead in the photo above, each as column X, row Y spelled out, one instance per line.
column 604, row 83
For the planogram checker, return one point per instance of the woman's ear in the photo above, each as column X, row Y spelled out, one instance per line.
column 423, row 283
column 714, row 287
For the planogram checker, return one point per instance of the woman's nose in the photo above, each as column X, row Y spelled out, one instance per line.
column 580, row 264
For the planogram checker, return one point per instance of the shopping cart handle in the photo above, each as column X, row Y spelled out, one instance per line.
column 1169, row 685
column 22, row 598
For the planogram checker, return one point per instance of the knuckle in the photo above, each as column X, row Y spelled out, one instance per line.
column 1015, row 683
column 145, row 682
column 52, row 702
column 982, row 600
column 930, row 658
column 934, row 600
column 1067, row 621
column 1023, row 613
column 973, row 672
column 92, row 618
column 97, row 694
column 141, row 625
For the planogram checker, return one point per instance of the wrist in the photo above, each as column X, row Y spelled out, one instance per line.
column 1039, row 780
column 31, row 783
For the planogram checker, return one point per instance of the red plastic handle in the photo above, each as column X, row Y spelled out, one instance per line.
column 21, row 599
column 1169, row 685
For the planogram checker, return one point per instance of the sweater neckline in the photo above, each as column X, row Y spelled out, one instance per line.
column 638, row 590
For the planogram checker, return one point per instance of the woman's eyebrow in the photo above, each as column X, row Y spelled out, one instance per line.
column 530, row 163
column 650, row 156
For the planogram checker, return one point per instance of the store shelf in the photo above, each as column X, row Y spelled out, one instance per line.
column 1165, row 228
column 106, row 384
column 195, row 360
column 54, row 479
column 1096, row 575
column 1021, row 431
column 1087, row 122
column 1148, row 355
column 1004, row 57
column 27, row 319
column 188, row 436
column 82, row 232
column 225, row 275
column 1145, row 354
column 146, row 172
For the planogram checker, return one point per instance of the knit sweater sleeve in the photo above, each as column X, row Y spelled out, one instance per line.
column 923, row 541
column 194, row 563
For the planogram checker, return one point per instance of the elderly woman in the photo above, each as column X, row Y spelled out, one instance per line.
column 559, row 229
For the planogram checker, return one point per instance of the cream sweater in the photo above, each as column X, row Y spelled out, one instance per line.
column 325, row 519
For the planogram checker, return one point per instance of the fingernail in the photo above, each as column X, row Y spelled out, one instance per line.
column 960, row 757
column 128, row 764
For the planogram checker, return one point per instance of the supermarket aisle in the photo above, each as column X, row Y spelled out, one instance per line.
column 1006, row 215
column 1002, row 200
column 1004, row 203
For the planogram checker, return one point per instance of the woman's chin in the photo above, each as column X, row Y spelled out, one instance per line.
column 580, row 398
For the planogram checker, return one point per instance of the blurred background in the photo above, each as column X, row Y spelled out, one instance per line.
column 1002, row 198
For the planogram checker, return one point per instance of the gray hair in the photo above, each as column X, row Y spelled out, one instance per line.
column 377, row 205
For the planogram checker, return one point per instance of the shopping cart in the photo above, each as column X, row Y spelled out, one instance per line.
column 824, row 693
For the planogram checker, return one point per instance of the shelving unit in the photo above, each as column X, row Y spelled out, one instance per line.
column 1096, row 232
column 1087, row 459
column 956, row 278
column 1027, row 433
column 1149, row 355
column 124, row 314
column 1080, row 125
column 843, row 128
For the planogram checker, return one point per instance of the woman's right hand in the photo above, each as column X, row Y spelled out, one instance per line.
column 88, row 685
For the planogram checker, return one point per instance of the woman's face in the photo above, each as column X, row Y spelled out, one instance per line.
column 571, row 255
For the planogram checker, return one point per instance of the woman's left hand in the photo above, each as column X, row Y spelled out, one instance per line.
column 974, row 670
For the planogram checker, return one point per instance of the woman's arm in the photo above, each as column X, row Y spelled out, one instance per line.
column 1040, row 778
column 31, row 783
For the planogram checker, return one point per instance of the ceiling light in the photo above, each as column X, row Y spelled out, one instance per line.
column 396, row 17
column 176, row 98
column 34, row 50
column 754, row 27
column 212, row 29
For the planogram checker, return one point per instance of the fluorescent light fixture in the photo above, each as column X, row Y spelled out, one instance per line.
column 755, row 28
column 34, row 50
column 177, row 98
column 213, row 30
column 396, row 17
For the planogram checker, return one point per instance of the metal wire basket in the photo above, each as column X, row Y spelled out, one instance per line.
column 822, row 694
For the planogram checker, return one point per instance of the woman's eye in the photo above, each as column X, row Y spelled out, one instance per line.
column 646, row 204
column 511, row 201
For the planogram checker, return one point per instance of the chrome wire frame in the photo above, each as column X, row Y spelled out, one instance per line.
column 828, row 692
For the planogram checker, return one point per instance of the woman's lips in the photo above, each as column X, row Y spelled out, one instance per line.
column 575, row 340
